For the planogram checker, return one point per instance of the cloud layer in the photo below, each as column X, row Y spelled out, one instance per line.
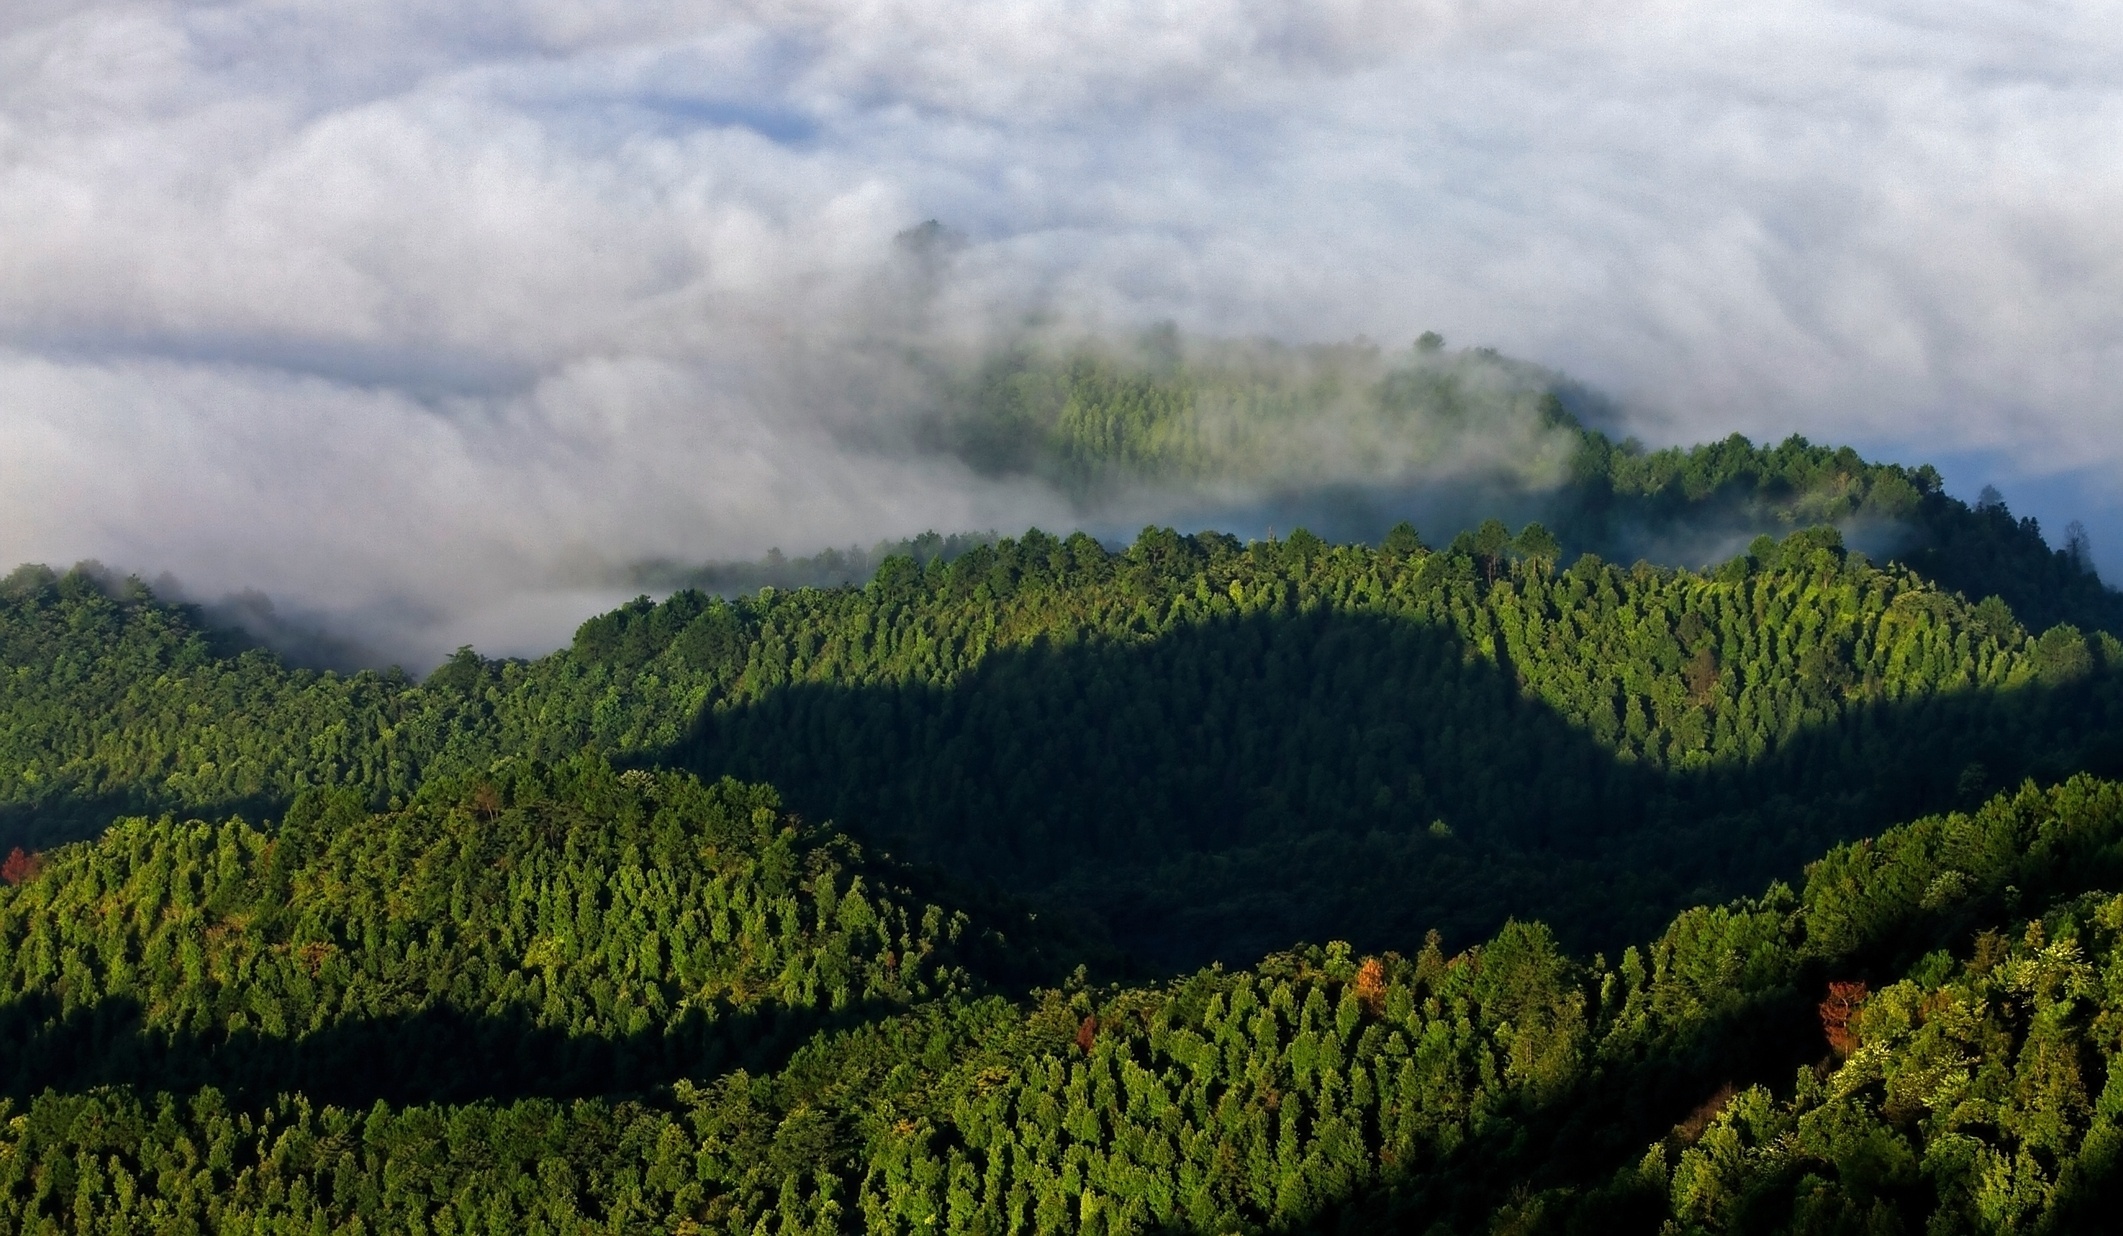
column 414, row 313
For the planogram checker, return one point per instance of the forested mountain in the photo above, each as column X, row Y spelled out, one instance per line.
column 533, row 945
column 1621, row 498
column 1209, row 748
column 557, row 930
column 1348, row 439
column 1866, row 1053
column 1368, row 432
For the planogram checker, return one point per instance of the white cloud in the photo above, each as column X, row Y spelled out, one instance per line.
column 408, row 307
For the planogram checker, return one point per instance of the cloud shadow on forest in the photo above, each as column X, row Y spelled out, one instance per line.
column 437, row 1055
column 1047, row 767
column 1238, row 785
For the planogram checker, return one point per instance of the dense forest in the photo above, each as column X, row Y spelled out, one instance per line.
column 1531, row 880
column 1921, row 1035
column 1204, row 748
column 562, row 930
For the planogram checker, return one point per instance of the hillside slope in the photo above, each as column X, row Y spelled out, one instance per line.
column 1350, row 437
column 553, row 930
column 1509, row 1087
column 1209, row 748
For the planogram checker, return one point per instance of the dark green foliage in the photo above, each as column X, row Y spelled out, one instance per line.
column 638, row 632
column 1982, row 1095
column 115, row 703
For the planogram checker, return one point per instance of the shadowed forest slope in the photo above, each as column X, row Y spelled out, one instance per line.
column 1235, row 739
column 1243, row 782
column 532, row 945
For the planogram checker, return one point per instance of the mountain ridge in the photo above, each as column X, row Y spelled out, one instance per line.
column 1647, row 696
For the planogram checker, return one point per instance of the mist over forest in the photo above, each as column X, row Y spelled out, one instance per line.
column 1109, row 433
column 425, row 326
column 1228, row 617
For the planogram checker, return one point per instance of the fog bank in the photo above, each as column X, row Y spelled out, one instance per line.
column 424, row 319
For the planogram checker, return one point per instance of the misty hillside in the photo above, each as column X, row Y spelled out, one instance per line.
column 894, row 616
column 1350, row 434
column 1169, row 411
column 1348, row 440
column 1037, row 884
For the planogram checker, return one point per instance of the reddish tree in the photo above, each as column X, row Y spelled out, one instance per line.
column 1087, row 1034
column 1843, row 1002
column 20, row 866
column 1371, row 985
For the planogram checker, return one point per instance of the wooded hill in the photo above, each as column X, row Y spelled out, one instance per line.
column 567, row 930
column 1203, row 748
column 532, row 946
column 1921, row 1037
column 1350, row 438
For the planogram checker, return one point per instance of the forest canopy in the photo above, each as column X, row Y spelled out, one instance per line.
column 1801, row 1058
column 1496, row 879
column 1203, row 747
